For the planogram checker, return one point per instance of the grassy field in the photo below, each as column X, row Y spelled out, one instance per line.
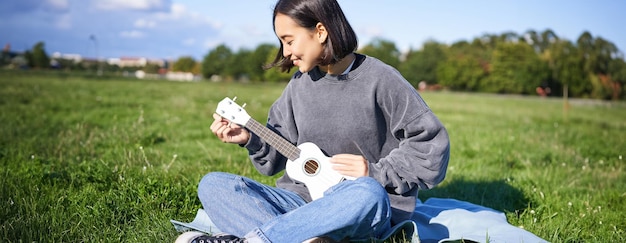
column 108, row 160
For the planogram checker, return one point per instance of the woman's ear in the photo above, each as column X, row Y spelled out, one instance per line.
column 321, row 32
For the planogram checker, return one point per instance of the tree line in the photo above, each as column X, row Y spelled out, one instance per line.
column 508, row 63
column 527, row 63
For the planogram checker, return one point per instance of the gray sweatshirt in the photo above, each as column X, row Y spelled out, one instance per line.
column 371, row 111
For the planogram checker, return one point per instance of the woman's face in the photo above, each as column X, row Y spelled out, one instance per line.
column 301, row 45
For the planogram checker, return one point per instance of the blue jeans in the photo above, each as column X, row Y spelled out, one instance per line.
column 357, row 210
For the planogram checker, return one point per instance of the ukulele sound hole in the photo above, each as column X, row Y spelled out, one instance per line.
column 311, row 167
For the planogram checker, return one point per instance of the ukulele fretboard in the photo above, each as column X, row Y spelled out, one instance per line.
column 281, row 144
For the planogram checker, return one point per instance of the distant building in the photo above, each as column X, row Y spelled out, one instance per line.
column 129, row 62
column 181, row 76
column 135, row 62
column 73, row 57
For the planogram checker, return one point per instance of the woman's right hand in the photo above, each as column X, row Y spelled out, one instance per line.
column 229, row 132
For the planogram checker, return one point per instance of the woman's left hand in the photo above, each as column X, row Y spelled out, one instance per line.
column 350, row 165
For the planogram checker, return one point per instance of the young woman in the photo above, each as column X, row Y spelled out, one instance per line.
column 361, row 112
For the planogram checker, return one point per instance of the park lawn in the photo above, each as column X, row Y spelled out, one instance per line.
column 88, row 158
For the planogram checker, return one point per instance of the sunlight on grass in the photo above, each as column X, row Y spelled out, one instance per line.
column 113, row 160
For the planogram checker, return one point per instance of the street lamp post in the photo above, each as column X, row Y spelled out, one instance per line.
column 95, row 42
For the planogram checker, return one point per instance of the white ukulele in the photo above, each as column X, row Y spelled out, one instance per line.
column 307, row 163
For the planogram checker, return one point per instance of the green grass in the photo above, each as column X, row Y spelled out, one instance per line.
column 86, row 159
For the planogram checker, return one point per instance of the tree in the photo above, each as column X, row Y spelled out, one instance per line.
column 540, row 42
column 466, row 65
column 487, row 42
column 603, row 52
column 38, row 57
column 151, row 68
column 585, row 47
column 216, row 61
column 5, row 57
column 508, row 37
column 516, row 68
column 605, row 87
column 384, row 50
column 533, row 39
column 239, row 65
column 548, row 37
column 597, row 54
column 259, row 60
column 274, row 74
column 481, row 48
column 422, row 65
column 617, row 72
column 461, row 73
column 567, row 69
column 185, row 64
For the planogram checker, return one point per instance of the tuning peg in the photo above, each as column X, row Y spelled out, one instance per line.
column 234, row 98
column 244, row 105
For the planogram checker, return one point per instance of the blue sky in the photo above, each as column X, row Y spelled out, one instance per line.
column 174, row 28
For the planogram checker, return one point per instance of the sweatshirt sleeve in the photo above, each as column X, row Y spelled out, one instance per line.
column 421, row 158
column 265, row 158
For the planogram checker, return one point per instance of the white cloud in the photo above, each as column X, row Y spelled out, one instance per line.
column 140, row 5
column 189, row 42
column 64, row 22
column 143, row 23
column 180, row 12
column 372, row 31
column 133, row 34
column 56, row 5
column 253, row 30
column 211, row 43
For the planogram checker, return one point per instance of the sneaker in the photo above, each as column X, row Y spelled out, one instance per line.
column 198, row 237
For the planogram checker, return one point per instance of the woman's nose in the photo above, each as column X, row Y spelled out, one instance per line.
column 286, row 52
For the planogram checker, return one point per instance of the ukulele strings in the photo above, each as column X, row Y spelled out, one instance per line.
column 281, row 143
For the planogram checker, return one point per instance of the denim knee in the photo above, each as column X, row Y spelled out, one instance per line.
column 369, row 191
column 214, row 182
column 369, row 198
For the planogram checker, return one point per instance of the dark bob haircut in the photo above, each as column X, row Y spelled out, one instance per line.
column 341, row 39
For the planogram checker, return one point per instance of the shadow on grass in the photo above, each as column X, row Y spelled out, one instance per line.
column 497, row 195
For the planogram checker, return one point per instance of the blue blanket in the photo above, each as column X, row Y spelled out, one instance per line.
column 435, row 220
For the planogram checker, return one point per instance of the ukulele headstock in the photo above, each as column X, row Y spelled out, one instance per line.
column 233, row 112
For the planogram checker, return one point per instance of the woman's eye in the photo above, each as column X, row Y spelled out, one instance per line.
column 289, row 42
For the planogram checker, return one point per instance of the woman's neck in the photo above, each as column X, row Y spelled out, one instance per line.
column 340, row 66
